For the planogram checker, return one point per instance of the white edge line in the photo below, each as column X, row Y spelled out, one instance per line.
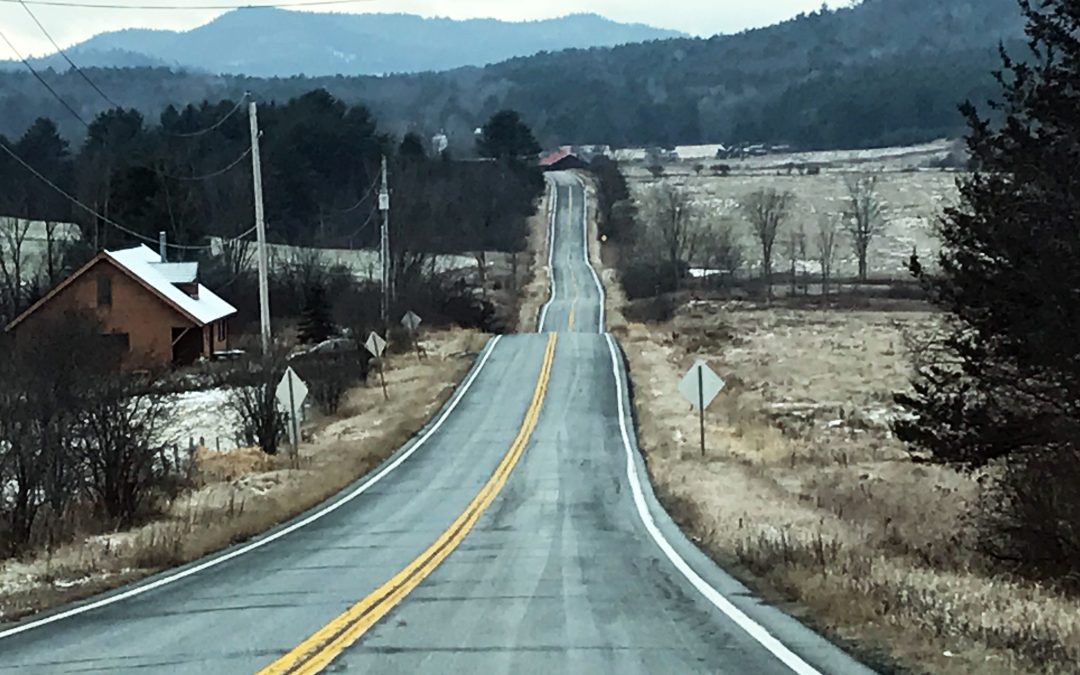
column 751, row 627
column 214, row 562
column 553, row 213
column 588, row 262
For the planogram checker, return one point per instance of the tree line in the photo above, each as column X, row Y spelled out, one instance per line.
column 190, row 176
column 826, row 79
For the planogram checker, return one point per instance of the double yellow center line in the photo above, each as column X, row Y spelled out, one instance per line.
column 318, row 651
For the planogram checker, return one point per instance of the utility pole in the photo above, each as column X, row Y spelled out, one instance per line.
column 384, row 248
column 260, row 228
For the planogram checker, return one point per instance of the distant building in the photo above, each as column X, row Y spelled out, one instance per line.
column 157, row 313
column 562, row 159
column 590, row 152
column 439, row 143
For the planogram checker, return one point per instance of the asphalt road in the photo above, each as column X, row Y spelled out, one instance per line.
column 570, row 565
column 576, row 304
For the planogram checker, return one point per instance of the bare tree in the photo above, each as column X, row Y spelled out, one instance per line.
column 826, row 248
column 119, row 429
column 720, row 248
column 13, row 235
column 864, row 216
column 236, row 256
column 43, row 456
column 20, row 471
column 796, row 251
column 766, row 210
column 674, row 227
column 261, row 422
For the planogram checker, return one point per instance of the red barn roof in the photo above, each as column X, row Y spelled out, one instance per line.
column 556, row 157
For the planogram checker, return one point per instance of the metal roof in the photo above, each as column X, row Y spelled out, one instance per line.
column 146, row 265
column 178, row 273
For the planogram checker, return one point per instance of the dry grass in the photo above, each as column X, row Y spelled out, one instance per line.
column 535, row 291
column 243, row 493
column 805, row 492
column 615, row 299
column 912, row 203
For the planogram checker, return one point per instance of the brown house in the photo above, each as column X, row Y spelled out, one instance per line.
column 157, row 312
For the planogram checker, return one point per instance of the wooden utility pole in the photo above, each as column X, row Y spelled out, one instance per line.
column 384, row 248
column 260, row 228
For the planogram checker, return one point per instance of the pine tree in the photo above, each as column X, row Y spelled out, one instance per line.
column 315, row 322
column 1003, row 395
column 506, row 136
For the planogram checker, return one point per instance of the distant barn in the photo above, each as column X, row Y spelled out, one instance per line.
column 562, row 159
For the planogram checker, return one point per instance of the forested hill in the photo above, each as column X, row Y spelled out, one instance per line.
column 882, row 72
column 281, row 43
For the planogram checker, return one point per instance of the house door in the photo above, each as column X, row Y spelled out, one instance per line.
column 187, row 346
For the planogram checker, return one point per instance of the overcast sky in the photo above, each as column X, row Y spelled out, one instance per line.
column 698, row 17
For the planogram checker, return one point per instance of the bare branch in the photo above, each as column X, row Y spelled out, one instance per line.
column 865, row 219
column 766, row 211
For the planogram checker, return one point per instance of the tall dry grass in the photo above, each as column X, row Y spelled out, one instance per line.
column 535, row 291
column 806, row 494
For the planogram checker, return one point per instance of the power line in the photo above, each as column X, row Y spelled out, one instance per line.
column 42, row 80
column 105, row 219
column 278, row 5
column 208, row 176
column 66, row 58
column 212, row 127
column 26, row 6
column 370, row 190
column 370, row 218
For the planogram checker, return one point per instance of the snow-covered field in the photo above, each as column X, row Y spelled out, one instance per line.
column 912, row 201
column 35, row 237
column 202, row 418
column 892, row 157
column 362, row 263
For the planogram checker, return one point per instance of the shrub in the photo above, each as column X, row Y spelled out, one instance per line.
column 260, row 422
column 646, row 279
column 330, row 376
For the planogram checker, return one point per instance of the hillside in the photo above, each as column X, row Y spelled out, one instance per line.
column 288, row 43
column 882, row 72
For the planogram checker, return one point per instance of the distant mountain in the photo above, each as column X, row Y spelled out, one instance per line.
column 269, row 42
column 877, row 73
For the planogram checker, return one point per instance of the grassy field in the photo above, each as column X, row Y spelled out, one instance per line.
column 805, row 493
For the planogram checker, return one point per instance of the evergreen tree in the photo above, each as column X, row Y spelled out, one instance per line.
column 315, row 322
column 1003, row 396
column 505, row 136
column 412, row 147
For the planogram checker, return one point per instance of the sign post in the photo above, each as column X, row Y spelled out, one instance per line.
column 700, row 387
column 411, row 322
column 376, row 345
column 291, row 393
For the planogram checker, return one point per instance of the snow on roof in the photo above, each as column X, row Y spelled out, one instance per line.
column 146, row 265
column 178, row 273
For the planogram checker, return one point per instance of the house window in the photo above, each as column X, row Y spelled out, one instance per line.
column 221, row 331
column 117, row 343
column 104, row 291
